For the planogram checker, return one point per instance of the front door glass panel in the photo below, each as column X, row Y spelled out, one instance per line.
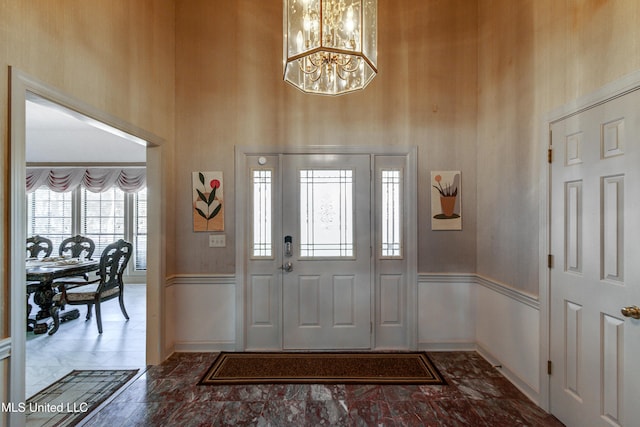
column 326, row 213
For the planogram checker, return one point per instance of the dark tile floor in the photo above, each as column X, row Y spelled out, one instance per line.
column 168, row 395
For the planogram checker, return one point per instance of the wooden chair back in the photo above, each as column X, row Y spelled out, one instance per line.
column 77, row 246
column 113, row 262
column 38, row 246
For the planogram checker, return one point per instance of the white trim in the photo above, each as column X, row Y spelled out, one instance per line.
column 411, row 249
column 17, row 231
column 24, row 86
column 514, row 294
column 446, row 277
column 543, row 271
column 200, row 279
column 5, row 348
column 612, row 90
column 241, row 252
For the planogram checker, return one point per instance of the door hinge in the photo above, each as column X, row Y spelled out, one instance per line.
column 550, row 155
column 549, row 367
column 550, row 261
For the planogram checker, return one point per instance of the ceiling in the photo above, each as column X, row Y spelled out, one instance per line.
column 55, row 134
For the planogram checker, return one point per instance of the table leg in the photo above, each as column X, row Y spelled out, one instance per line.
column 56, row 320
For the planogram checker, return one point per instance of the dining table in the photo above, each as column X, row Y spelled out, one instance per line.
column 44, row 281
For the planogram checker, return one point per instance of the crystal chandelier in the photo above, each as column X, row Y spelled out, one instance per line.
column 330, row 46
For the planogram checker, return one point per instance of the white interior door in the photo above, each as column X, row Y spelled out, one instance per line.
column 326, row 275
column 595, row 241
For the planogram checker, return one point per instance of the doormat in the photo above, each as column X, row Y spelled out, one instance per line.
column 324, row 368
column 70, row 399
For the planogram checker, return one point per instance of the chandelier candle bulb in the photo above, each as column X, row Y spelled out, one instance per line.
column 330, row 46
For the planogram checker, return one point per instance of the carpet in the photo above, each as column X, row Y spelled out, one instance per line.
column 325, row 368
column 67, row 401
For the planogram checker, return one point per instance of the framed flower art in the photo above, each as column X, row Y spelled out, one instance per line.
column 208, row 201
column 446, row 196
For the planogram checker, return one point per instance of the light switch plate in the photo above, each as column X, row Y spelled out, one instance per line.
column 217, row 240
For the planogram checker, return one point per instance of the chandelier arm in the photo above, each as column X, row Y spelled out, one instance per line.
column 317, row 78
column 312, row 57
column 344, row 61
column 355, row 67
column 315, row 68
column 345, row 64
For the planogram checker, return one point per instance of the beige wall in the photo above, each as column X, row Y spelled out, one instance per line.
column 116, row 55
column 534, row 56
column 467, row 82
column 230, row 92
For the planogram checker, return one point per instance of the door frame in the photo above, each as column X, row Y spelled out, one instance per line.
column 22, row 85
column 612, row 90
column 410, row 217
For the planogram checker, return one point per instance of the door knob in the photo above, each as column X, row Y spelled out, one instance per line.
column 632, row 311
column 287, row 266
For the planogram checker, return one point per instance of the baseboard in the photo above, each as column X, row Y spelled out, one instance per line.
column 203, row 347
column 447, row 346
column 525, row 388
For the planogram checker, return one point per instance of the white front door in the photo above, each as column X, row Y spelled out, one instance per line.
column 595, row 241
column 326, row 235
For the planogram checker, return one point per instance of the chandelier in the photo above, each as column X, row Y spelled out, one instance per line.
column 330, row 46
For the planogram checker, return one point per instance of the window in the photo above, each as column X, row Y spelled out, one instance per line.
column 391, row 213
column 49, row 214
column 140, row 229
column 104, row 217
column 262, row 213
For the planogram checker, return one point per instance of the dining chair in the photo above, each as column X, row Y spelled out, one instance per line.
column 109, row 285
column 37, row 245
column 77, row 247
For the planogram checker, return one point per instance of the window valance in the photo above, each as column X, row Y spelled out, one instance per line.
column 129, row 180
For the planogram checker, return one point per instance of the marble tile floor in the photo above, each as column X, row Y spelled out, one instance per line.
column 168, row 395
column 78, row 345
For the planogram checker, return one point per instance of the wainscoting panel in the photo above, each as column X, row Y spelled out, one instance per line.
column 204, row 307
column 508, row 333
column 456, row 312
column 446, row 312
